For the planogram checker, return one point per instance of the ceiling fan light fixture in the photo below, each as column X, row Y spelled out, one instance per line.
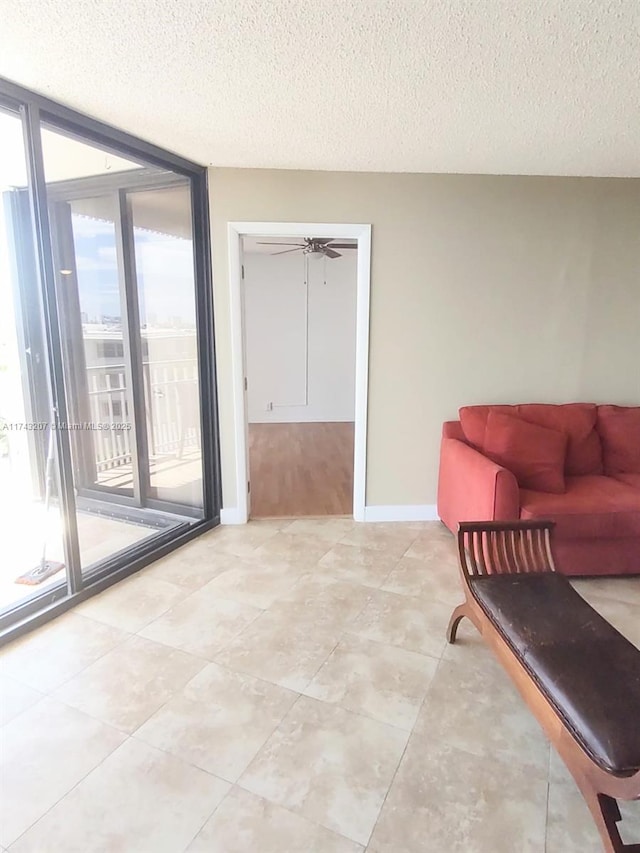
column 316, row 247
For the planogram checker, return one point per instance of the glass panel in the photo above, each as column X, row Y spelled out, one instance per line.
column 100, row 369
column 167, row 312
column 30, row 520
column 96, row 344
column 69, row 159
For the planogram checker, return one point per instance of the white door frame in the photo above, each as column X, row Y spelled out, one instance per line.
column 361, row 233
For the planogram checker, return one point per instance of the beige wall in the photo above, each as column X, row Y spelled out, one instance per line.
column 483, row 289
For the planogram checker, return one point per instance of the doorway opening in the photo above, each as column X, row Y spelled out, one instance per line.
column 300, row 316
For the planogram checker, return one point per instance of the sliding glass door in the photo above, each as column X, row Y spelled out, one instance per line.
column 125, row 285
column 105, row 337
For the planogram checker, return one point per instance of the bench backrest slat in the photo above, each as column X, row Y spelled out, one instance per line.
column 488, row 548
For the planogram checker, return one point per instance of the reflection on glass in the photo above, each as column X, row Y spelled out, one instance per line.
column 105, row 459
column 30, row 523
column 69, row 159
column 165, row 278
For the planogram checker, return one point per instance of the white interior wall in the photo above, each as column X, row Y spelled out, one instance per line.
column 276, row 330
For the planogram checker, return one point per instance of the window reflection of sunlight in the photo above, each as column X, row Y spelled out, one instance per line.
column 13, row 169
column 14, row 449
column 96, row 266
column 164, row 266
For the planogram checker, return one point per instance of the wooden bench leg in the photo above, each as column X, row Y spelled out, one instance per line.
column 606, row 815
column 458, row 614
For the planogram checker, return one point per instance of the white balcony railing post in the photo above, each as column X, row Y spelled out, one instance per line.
column 168, row 386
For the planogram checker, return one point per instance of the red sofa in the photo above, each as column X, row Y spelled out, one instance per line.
column 577, row 464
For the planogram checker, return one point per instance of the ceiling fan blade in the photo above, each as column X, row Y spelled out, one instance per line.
column 330, row 253
column 286, row 251
column 321, row 241
column 343, row 246
column 260, row 243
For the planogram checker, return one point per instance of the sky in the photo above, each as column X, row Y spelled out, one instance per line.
column 164, row 268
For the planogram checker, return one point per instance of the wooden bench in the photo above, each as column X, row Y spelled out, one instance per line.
column 578, row 675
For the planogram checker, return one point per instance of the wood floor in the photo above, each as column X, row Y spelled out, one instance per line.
column 301, row 469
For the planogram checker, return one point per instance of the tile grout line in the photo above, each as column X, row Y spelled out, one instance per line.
column 393, row 778
column 411, row 733
column 120, row 642
column 224, row 644
column 186, row 760
column 362, row 714
column 310, row 820
column 74, row 786
column 29, row 707
column 208, row 818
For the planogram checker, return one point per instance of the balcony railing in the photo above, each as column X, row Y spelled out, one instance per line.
column 171, row 407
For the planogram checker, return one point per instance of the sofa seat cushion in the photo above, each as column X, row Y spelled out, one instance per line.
column 589, row 672
column 619, row 428
column 592, row 507
column 629, row 479
column 577, row 420
column 533, row 453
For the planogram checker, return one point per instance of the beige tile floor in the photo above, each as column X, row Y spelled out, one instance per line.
column 284, row 686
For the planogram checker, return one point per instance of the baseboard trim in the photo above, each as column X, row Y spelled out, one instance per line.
column 396, row 512
column 231, row 515
column 402, row 512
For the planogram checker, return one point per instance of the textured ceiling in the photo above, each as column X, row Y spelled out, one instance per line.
column 485, row 86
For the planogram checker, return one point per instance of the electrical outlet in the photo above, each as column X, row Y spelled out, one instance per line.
column 269, row 407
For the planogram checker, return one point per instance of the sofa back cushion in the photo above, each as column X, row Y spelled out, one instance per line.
column 619, row 428
column 535, row 454
column 576, row 420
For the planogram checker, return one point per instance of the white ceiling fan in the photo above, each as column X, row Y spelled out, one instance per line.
column 315, row 247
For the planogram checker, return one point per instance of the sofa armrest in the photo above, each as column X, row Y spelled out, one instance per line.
column 473, row 488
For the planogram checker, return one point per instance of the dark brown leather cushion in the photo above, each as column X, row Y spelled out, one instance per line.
column 589, row 672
